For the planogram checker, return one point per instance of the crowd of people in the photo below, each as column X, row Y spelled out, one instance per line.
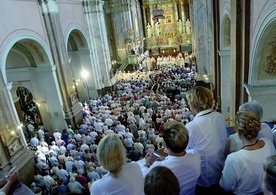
column 113, row 151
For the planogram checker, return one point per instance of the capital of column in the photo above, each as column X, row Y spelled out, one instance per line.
column 9, row 86
column 49, row 6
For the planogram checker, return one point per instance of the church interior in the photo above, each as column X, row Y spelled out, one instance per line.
column 54, row 53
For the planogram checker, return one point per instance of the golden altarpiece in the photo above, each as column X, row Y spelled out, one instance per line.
column 167, row 26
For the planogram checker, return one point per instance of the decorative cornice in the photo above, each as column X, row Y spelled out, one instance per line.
column 260, row 91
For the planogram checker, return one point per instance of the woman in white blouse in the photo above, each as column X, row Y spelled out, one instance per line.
column 243, row 169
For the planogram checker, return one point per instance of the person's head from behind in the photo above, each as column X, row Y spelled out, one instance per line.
column 254, row 107
column 111, row 154
column 161, row 180
column 269, row 176
column 199, row 99
column 247, row 124
column 176, row 136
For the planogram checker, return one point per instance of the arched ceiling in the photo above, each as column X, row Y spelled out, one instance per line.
column 76, row 41
column 26, row 53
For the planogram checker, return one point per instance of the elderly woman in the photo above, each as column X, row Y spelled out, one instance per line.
column 233, row 143
column 243, row 169
column 74, row 186
column 122, row 178
column 207, row 132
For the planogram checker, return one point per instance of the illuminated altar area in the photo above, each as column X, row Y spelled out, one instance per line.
column 167, row 27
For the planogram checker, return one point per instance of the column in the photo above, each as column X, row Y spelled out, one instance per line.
column 226, row 96
column 95, row 69
column 240, row 28
column 58, row 49
column 202, row 28
column 175, row 14
column 151, row 20
column 104, row 51
column 9, row 123
column 145, row 19
column 183, row 19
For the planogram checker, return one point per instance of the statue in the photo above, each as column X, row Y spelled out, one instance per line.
column 188, row 27
column 179, row 26
column 157, row 29
column 148, row 30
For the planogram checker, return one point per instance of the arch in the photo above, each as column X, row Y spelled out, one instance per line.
column 19, row 37
column 225, row 30
column 264, row 37
column 78, row 34
column 79, row 56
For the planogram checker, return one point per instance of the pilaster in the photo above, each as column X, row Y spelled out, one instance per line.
column 59, row 53
column 90, row 10
column 145, row 18
column 201, row 23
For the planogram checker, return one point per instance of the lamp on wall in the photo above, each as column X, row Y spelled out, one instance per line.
column 84, row 75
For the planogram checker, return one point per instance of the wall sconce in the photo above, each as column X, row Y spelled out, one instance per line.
column 39, row 103
column 113, row 62
column 207, row 77
column 75, row 83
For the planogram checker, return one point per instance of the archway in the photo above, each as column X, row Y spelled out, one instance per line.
column 262, row 72
column 28, row 66
column 80, row 63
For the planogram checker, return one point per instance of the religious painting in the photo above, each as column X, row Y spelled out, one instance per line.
column 168, row 22
column 168, row 19
column 267, row 68
column 14, row 147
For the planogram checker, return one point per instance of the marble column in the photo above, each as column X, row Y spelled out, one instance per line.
column 202, row 29
column 145, row 18
column 239, row 51
column 95, row 69
column 59, row 53
column 183, row 19
column 226, row 96
column 102, row 43
column 18, row 156
column 175, row 14
column 151, row 19
column 121, row 20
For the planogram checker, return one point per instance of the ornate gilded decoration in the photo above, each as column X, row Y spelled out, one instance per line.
column 271, row 59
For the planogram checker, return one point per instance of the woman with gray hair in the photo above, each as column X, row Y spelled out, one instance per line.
column 233, row 142
column 122, row 177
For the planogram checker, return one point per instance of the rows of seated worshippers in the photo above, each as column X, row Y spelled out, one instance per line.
column 136, row 112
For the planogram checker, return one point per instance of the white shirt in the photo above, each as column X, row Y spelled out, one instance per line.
column 186, row 168
column 129, row 181
column 243, row 169
column 56, row 134
column 234, row 143
column 34, row 141
column 207, row 135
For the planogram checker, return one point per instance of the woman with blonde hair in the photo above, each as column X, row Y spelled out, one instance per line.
column 243, row 169
column 122, row 178
column 207, row 132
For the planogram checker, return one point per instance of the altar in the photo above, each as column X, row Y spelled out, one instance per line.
column 167, row 27
column 169, row 61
